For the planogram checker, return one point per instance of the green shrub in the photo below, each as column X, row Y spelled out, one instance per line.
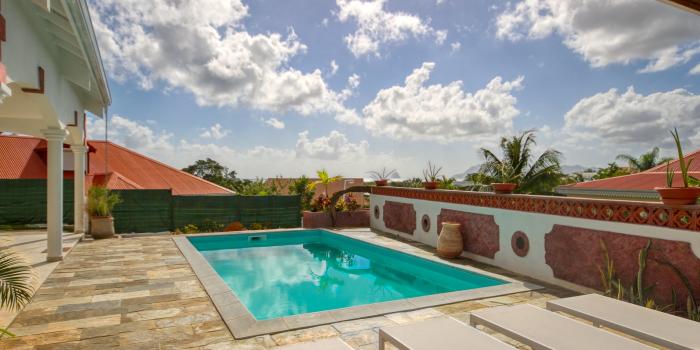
column 101, row 201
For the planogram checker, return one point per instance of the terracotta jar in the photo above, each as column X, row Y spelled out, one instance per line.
column 450, row 243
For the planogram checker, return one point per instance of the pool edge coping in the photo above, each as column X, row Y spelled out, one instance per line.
column 242, row 324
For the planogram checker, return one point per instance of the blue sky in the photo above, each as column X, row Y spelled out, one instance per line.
column 193, row 79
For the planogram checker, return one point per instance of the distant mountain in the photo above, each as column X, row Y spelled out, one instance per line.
column 471, row 170
column 570, row 169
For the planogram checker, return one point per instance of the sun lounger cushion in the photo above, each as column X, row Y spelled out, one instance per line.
column 542, row 329
column 439, row 333
column 654, row 326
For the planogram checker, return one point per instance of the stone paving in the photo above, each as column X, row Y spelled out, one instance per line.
column 140, row 293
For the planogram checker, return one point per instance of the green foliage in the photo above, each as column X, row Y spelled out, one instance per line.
column 325, row 180
column 206, row 226
column 190, row 228
column 670, row 174
column 432, row 172
column 16, row 280
column 447, row 183
column 612, row 170
column 410, row 183
column 692, row 309
column 645, row 161
column 260, row 226
column 518, row 165
column 101, row 201
column 636, row 293
column 687, row 179
column 214, row 172
column 257, row 187
column 382, row 174
column 301, row 187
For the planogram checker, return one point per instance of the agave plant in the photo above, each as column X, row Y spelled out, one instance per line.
column 432, row 172
column 687, row 179
column 16, row 283
column 382, row 174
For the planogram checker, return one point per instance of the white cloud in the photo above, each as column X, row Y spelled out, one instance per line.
column 455, row 46
column 215, row 132
column 442, row 113
column 131, row 134
column 334, row 151
column 606, row 32
column 275, row 123
column 201, row 47
column 376, row 27
column 695, row 70
column 630, row 119
column 334, row 67
column 331, row 147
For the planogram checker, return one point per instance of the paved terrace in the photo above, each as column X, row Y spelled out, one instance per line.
column 140, row 293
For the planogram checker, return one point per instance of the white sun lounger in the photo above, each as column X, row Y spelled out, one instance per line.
column 640, row 322
column 542, row 329
column 324, row 344
column 438, row 334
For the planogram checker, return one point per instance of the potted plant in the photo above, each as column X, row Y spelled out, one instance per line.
column 431, row 175
column 381, row 177
column 689, row 193
column 507, row 180
column 101, row 202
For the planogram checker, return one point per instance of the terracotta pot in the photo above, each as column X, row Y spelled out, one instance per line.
column 102, row 227
column 382, row 182
column 504, row 188
column 679, row 195
column 430, row 185
column 450, row 243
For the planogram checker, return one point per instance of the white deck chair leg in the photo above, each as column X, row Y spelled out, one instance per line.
column 382, row 341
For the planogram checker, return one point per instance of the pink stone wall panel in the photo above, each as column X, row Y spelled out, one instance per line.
column 575, row 254
column 480, row 232
column 400, row 217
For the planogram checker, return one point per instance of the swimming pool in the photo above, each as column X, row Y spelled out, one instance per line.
column 285, row 273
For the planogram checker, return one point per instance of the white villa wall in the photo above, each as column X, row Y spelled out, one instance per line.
column 535, row 225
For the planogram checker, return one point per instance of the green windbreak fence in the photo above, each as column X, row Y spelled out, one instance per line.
column 270, row 211
column 24, row 202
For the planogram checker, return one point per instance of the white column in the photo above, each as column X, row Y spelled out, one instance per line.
column 54, row 192
column 79, row 152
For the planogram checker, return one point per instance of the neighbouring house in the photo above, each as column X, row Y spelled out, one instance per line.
column 283, row 183
column 23, row 157
column 637, row 186
column 51, row 75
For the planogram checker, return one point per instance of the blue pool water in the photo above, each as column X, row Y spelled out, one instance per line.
column 295, row 272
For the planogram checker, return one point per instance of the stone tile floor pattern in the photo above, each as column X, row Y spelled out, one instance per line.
column 140, row 293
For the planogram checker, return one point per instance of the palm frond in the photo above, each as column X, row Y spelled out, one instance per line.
column 16, row 280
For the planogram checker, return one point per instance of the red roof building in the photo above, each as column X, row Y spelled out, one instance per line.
column 638, row 186
column 25, row 158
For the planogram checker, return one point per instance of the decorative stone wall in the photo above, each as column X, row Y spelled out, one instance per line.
column 575, row 255
column 642, row 213
column 479, row 232
column 400, row 217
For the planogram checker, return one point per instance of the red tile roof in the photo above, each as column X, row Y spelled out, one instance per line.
column 23, row 158
column 646, row 180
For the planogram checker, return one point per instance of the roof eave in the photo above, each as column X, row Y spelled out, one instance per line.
column 78, row 10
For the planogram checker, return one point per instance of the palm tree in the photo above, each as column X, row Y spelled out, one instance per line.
column 518, row 165
column 645, row 162
column 325, row 180
column 16, row 280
